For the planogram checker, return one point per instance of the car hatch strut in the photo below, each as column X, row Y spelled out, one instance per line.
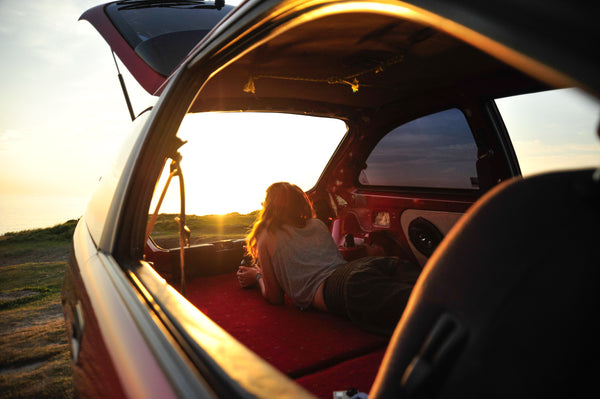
column 124, row 88
column 184, row 231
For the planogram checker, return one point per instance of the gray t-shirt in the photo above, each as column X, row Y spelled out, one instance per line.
column 303, row 258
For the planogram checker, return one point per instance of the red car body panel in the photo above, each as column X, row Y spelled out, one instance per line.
column 94, row 372
column 105, row 366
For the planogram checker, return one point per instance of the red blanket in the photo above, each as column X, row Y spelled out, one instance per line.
column 316, row 348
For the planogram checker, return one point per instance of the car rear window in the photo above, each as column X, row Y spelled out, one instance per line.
column 164, row 33
column 434, row 151
column 230, row 159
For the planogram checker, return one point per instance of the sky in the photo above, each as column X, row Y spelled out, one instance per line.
column 62, row 111
column 539, row 123
column 63, row 116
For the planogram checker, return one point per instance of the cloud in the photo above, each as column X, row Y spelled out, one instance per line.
column 8, row 137
column 536, row 156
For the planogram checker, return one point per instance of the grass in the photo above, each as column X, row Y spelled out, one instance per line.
column 35, row 357
column 40, row 245
column 208, row 228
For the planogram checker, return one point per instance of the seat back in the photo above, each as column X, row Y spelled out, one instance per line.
column 507, row 306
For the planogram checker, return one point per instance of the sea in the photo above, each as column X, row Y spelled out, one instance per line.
column 27, row 212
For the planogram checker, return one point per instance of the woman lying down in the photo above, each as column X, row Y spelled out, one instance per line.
column 293, row 253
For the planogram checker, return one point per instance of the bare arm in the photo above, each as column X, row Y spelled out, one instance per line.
column 267, row 282
column 269, row 287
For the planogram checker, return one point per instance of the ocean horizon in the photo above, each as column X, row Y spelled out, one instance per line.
column 20, row 212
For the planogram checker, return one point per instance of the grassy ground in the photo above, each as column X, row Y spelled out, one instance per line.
column 208, row 228
column 34, row 355
column 35, row 358
column 40, row 245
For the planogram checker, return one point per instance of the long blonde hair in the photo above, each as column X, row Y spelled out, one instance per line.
column 285, row 204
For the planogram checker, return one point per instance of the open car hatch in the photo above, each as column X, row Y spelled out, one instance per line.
column 152, row 37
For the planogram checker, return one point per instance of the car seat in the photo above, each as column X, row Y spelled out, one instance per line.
column 507, row 305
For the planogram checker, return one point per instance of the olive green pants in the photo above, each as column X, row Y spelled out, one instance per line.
column 372, row 292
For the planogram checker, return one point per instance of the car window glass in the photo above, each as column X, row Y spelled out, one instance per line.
column 230, row 159
column 97, row 211
column 552, row 130
column 436, row 151
column 164, row 34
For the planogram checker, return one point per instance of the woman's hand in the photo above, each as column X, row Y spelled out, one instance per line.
column 247, row 276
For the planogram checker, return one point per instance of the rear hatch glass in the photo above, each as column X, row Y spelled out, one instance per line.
column 152, row 37
column 162, row 34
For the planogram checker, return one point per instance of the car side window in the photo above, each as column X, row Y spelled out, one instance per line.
column 434, row 151
column 552, row 130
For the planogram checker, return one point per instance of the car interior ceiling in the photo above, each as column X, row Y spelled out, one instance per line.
column 366, row 73
column 369, row 66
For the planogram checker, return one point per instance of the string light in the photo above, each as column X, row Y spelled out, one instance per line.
column 351, row 81
column 249, row 87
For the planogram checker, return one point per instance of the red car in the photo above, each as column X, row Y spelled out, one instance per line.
column 395, row 117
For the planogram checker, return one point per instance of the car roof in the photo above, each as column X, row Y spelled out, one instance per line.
column 556, row 33
column 342, row 63
column 549, row 40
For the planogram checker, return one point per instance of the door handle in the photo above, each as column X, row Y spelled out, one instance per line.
column 77, row 325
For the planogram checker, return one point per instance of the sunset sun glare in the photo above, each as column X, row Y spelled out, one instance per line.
column 231, row 158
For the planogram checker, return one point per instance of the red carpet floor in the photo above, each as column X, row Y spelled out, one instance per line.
column 321, row 351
